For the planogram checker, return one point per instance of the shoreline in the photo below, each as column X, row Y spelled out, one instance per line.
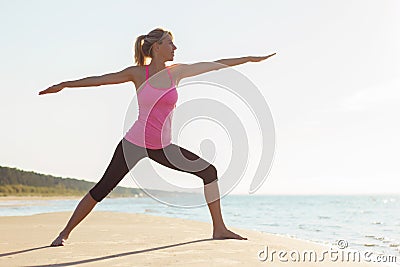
column 18, row 201
column 125, row 239
column 27, row 198
column 24, row 198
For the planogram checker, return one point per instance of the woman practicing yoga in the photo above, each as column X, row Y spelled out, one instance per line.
column 150, row 135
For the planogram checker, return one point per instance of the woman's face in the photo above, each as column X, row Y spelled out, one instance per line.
column 166, row 49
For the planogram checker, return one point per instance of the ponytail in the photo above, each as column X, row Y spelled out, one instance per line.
column 139, row 54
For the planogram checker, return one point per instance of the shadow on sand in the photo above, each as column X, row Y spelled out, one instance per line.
column 71, row 263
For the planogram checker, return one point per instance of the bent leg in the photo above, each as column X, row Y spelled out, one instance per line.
column 181, row 159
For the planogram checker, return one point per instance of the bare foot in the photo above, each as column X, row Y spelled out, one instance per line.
column 227, row 234
column 59, row 241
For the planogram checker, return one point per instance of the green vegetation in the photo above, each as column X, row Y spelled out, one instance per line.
column 15, row 182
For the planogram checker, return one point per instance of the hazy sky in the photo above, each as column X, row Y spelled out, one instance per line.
column 333, row 87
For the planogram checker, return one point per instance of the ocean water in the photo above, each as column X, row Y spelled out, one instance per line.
column 366, row 223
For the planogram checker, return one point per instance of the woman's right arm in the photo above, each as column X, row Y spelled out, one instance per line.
column 122, row 76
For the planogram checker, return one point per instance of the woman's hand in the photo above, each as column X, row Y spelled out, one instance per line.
column 53, row 89
column 258, row 59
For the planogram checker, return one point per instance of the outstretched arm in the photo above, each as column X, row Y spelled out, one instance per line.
column 189, row 70
column 122, row 76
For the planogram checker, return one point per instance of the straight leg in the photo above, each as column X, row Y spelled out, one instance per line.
column 115, row 172
column 84, row 207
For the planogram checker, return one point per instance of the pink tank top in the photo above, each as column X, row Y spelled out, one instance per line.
column 152, row 129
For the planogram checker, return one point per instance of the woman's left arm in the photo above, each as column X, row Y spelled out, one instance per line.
column 237, row 61
column 189, row 70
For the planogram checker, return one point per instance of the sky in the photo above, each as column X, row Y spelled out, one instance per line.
column 332, row 88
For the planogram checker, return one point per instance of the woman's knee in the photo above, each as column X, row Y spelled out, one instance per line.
column 209, row 175
column 98, row 194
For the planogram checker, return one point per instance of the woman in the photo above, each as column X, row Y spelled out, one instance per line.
column 150, row 135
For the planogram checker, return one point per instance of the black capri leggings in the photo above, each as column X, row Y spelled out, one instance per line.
column 127, row 154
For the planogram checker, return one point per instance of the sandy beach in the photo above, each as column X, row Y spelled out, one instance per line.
column 121, row 239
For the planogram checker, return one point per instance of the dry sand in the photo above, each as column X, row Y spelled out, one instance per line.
column 121, row 239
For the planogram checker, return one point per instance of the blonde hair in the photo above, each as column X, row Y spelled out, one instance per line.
column 144, row 44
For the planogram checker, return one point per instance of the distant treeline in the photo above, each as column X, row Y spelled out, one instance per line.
column 15, row 182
